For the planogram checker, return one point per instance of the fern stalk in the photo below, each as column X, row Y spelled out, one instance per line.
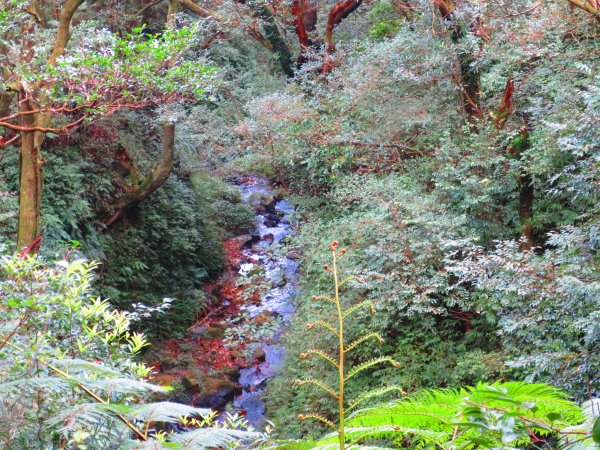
column 343, row 350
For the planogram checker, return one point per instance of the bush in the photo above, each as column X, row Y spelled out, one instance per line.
column 166, row 248
column 68, row 374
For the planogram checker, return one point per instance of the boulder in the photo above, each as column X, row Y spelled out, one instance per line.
column 164, row 379
column 241, row 240
column 293, row 255
column 190, row 381
column 259, row 355
column 216, row 332
column 216, row 394
column 232, row 372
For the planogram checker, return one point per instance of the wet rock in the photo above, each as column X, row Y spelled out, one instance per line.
column 232, row 372
column 222, row 324
column 259, row 355
column 270, row 223
column 217, row 393
column 216, row 332
column 190, row 381
column 241, row 240
column 268, row 201
column 262, row 318
column 252, row 378
column 293, row 255
column 164, row 379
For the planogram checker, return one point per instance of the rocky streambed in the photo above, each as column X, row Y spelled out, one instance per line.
column 230, row 353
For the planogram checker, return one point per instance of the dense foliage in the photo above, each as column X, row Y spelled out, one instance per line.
column 452, row 147
column 70, row 378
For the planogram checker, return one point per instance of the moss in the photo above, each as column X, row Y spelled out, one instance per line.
column 221, row 204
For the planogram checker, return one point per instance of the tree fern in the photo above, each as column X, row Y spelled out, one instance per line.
column 483, row 416
column 339, row 360
column 204, row 438
column 165, row 412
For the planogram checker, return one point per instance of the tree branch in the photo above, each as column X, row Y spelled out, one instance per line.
column 155, row 180
column 586, row 6
column 189, row 4
column 64, row 30
column 339, row 12
column 42, row 129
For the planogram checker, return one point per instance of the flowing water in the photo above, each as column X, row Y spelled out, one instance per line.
column 274, row 221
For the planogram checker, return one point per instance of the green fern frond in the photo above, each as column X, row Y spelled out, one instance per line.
column 323, row 324
column 89, row 415
column 319, row 384
column 350, row 278
column 372, row 394
column 363, row 339
column 205, row 438
column 372, row 362
column 387, row 433
column 78, row 366
column 323, row 297
column 537, row 406
column 541, row 397
column 321, row 354
column 148, row 445
column 124, row 386
column 166, row 412
column 57, row 385
column 364, row 304
column 319, row 418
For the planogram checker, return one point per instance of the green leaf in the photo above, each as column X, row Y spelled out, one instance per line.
column 596, row 431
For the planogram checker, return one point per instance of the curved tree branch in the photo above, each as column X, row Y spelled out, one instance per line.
column 64, row 30
column 591, row 7
column 153, row 182
column 339, row 12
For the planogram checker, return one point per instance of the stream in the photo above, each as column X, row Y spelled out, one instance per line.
column 274, row 221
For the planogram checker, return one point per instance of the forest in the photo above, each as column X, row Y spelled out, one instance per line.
column 299, row 224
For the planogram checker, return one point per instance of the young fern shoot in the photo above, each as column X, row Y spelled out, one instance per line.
column 339, row 361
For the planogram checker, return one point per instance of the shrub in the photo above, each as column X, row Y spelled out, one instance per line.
column 69, row 375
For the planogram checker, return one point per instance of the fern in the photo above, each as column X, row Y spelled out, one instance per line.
column 204, row 438
column 484, row 415
column 166, row 412
column 88, row 415
column 579, row 437
column 342, row 350
column 95, row 398
column 117, row 387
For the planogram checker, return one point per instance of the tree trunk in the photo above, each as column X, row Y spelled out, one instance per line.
column 526, row 210
column 30, row 181
column 5, row 102
column 305, row 23
column 587, row 6
column 526, row 188
column 468, row 78
column 153, row 182
column 277, row 41
column 339, row 12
